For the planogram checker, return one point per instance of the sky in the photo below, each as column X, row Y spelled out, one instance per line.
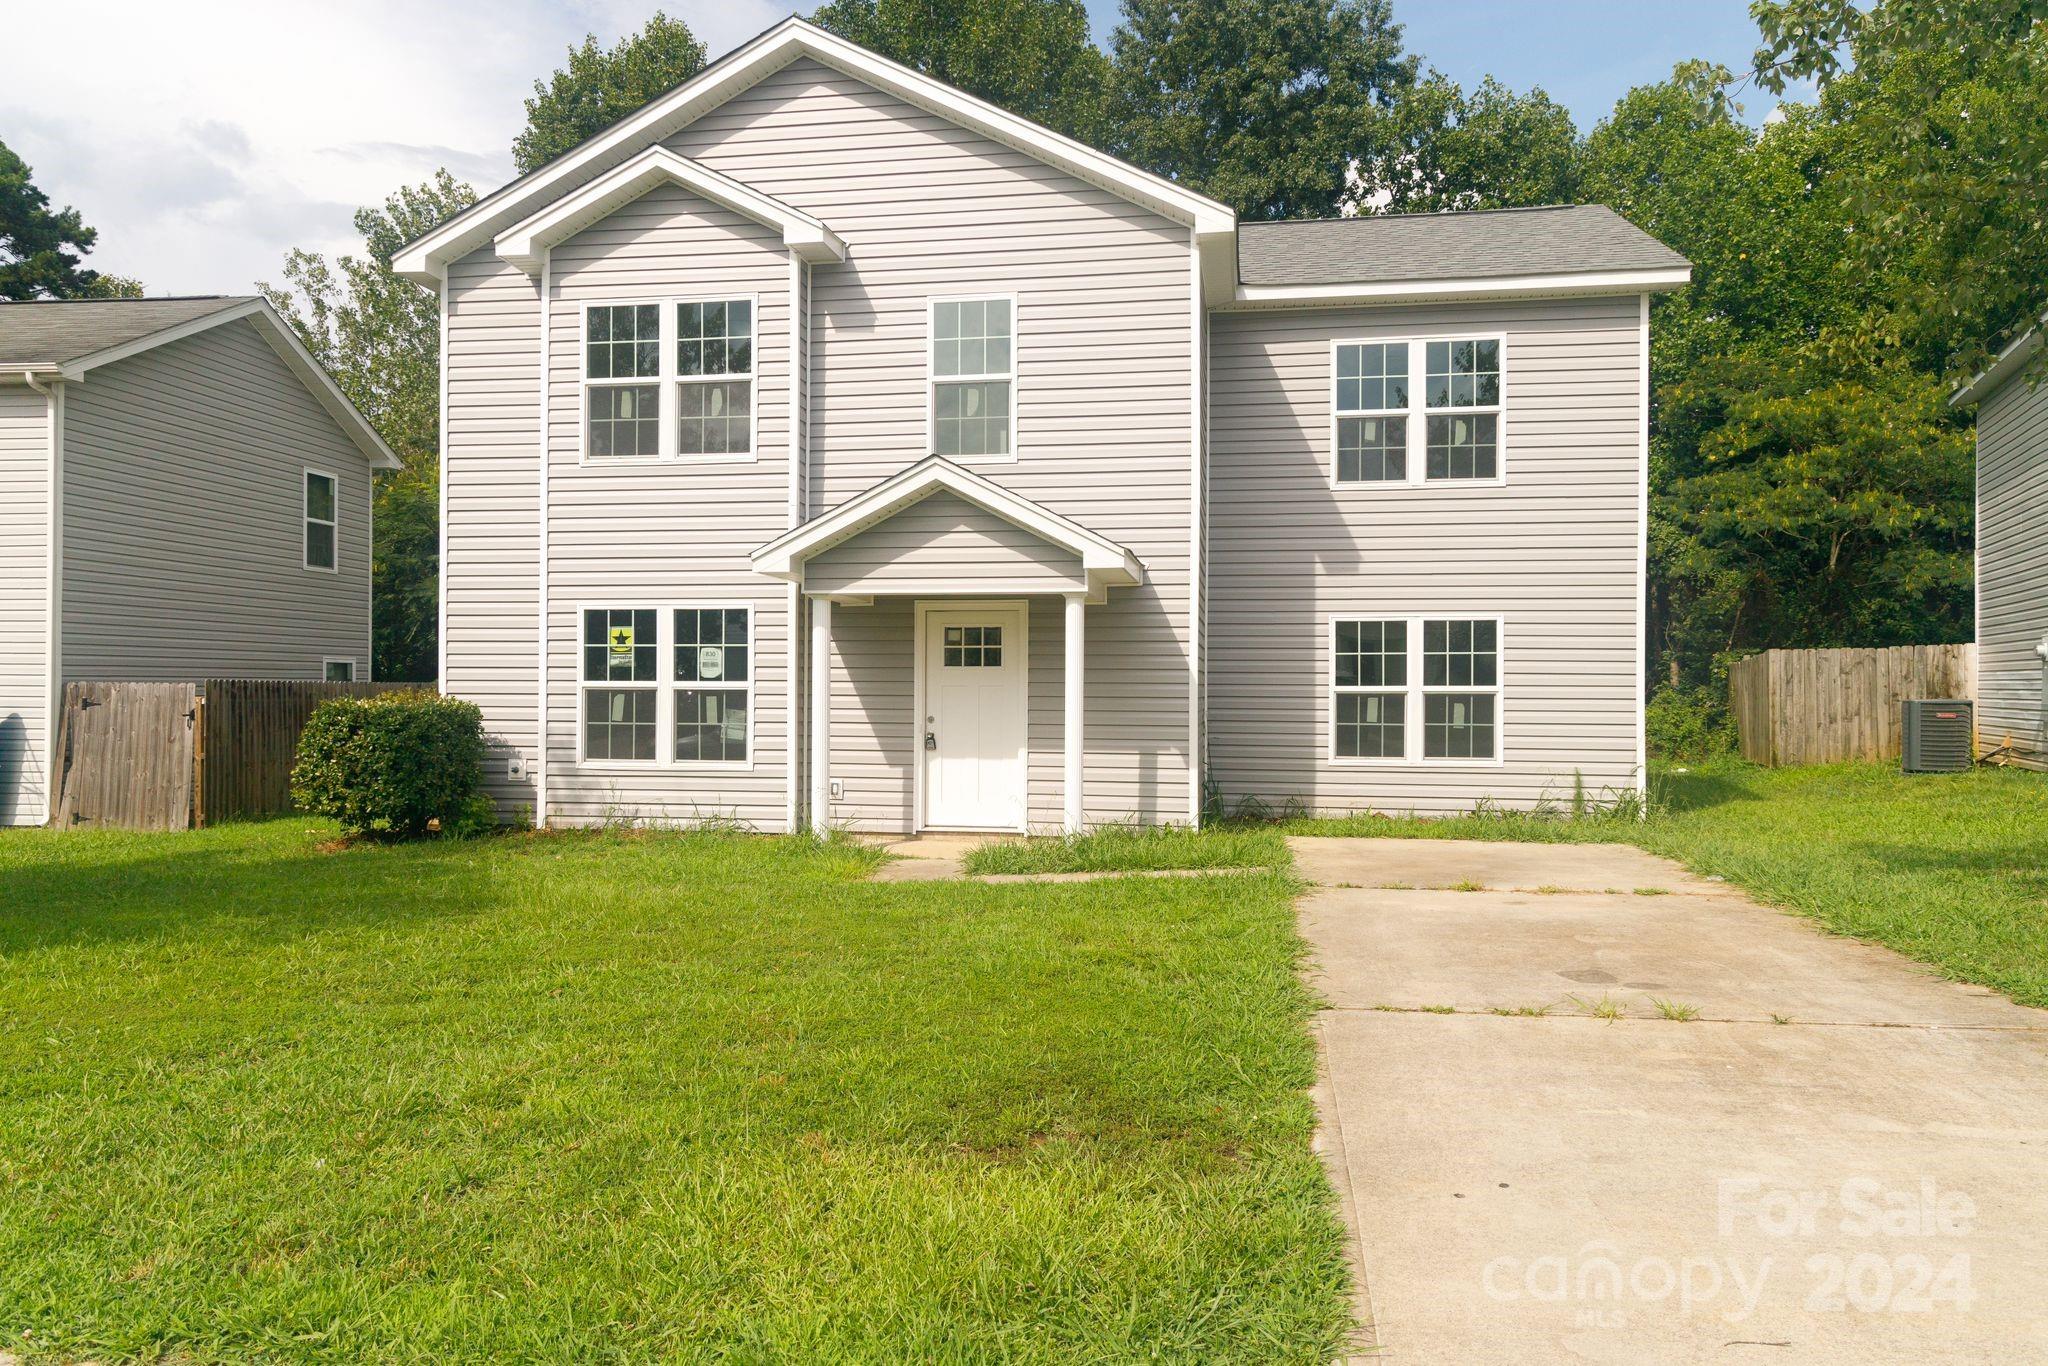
column 206, row 139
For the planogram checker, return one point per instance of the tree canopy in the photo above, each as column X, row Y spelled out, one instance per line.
column 43, row 249
column 600, row 86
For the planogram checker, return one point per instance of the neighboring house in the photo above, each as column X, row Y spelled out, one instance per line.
column 184, row 494
column 826, row 446
column 2012, row 553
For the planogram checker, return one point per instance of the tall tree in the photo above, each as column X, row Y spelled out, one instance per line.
column 379, row 335
column 600, row 86
column 1032, row 57
column 42, row 250
column 1951, row 201
column 1493, row 149
column 1267, row 105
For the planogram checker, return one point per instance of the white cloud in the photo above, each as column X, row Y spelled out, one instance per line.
column 205, row 140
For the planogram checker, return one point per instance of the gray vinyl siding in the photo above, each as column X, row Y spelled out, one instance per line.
column 945, row 537
column 927, row 209
column 1103, row 354
column 489, row 517
column 24, row 605
column 674, row 532
column 1554, row 551
column 2012, row 571
column 184, row 506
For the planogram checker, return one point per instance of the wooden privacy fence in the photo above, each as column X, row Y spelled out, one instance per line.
column 1830, row 706
column 168, row 756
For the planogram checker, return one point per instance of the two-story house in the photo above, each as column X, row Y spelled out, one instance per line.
column 826, row 446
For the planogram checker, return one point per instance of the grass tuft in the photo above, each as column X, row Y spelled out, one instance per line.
column 1135, row 848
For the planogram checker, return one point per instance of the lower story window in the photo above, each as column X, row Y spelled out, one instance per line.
column 339, row 670
column 618, row 723
column 1388, row 674
column 711, row 725
column 714, row 656
column 619, row 648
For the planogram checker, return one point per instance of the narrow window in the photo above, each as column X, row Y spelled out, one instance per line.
column 620, row 647
column 621, row 380
column 320, row 504
column 1372, row 412
column 714, row 377
column 1461, row 392
column 1370, row 663
column 1460, row 689
column 339, row 670
column 714, row 674
column 972, row 374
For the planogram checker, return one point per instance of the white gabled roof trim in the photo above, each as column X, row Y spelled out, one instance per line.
column 426, row 260
column 2015, row 355
column 1106, row 564
column 525, row 243
column 278, row 333
column 1490, row 287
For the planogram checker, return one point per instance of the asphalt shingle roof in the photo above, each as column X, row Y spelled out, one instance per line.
column 1386, row 248
column 56, row 332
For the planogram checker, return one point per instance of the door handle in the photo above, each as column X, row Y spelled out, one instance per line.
column 931, row 741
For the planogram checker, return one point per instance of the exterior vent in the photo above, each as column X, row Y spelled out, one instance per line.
column 1938, row 735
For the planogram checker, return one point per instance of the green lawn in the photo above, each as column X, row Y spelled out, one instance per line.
column 605, row 1096
column 1951, row 869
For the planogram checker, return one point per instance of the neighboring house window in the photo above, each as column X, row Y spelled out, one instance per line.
column 619, row 684
column 1386, row 675
column 320, row 504
column 1462, row 390
column 622, row 381
column 339, row 670
column 1416, row 412
column 973, row 372
column 714, row 384
column 1460, row 689
column 1372, row 412
column 713, row 665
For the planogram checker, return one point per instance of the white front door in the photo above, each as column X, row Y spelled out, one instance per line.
column 972, row 739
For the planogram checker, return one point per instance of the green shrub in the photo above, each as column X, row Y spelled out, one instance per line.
column 389, row 764
column 1691, row 725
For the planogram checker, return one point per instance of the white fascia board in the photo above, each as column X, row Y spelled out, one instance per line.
column 426, row 259
column 285, row 342
column 525, row 244
column 1496, row 287
column 2010, row 360
column 1106, row 563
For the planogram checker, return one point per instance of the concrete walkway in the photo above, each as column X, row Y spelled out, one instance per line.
column 1592, row 1108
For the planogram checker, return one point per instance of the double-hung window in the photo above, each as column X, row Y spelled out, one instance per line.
column 1416, row 412
column 973, row 375
column 319, row 520
column 620, row 685
column 622, row 381
column 667, row 685
column 715, row 377
column 1415, row 689
column 713, row 672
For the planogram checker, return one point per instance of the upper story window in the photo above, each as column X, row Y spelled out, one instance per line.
column 622, row 380
column 668, row 379
column 973, row 374
column 1388, row 429
column 714, row 377
column 319, row 523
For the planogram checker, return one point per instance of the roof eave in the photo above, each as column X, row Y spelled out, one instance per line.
column 1563, row 284
column 2008, row 363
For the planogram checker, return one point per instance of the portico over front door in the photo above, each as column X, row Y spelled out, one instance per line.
column 973, row 688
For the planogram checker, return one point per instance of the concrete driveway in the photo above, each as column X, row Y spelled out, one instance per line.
column 1589, row 1107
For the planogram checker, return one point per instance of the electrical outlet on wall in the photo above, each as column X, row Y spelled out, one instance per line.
column 838, row 789
column 515, row 767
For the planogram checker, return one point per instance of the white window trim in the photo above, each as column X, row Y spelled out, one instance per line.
column 667, row 383
column 307, row 519
column 1415, row 691
column 1418, row 415
column 665, row 686
column 328, row 661
column 932, row 379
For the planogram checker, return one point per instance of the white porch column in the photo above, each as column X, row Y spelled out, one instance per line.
column 1076, row 699
column 821, row 714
